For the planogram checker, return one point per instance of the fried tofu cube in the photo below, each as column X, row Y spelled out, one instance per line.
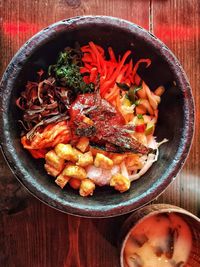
column 85, row 159
column 75, row 183
column 78, row 152
column 103, row 162
column 66, row 151
column 118, row 158
column 83, row 144
column 51, row 170
column 54, row 160
column 62, row 180
column 74, row 171
column 133, row 162
column 87, row 187
column 120, row 182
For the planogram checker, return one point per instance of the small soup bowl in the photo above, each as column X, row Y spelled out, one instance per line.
column 161, row 211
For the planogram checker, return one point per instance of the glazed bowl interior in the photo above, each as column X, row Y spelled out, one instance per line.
column 175, row 122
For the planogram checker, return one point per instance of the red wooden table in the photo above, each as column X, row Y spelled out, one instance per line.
column 35, row 235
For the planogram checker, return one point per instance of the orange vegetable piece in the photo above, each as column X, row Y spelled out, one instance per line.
column 75, row 183
column 51, row 135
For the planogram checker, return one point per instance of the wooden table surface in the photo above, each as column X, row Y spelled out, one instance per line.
column 35, row 235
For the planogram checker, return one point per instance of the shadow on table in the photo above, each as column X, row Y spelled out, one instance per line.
column 109, row 228
column 13, row 196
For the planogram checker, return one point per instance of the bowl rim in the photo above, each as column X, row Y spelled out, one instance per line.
column 11, row 72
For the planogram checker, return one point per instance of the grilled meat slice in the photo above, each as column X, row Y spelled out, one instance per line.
column 108, row 125
column 88, row 131
column 123, row 139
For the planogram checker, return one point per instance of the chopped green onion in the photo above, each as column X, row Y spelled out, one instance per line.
column 137, row 102
column 131, row 93
column 139, row 116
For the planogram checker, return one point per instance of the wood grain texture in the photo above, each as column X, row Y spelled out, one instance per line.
column 21, row 19
column 176, row 23
column 40, row 236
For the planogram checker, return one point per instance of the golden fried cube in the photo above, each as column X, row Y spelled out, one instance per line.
column 83, row 144
column 87, row 187
column 66, row 151
column 118, row 158
column 54, row 160
column 78, row 152
column 133, row 162
column 51, row 170
column 62, row 180
column 85, row 159
column 120, row 182
column 74, row 171
column 103, row 161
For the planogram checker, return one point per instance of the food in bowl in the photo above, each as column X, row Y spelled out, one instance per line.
column 163, row 240
column 92, row 119
column 175, row 120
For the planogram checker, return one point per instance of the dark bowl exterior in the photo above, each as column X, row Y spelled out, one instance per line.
column 176, row 112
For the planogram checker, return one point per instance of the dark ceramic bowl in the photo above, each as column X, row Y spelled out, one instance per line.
column 176, row 119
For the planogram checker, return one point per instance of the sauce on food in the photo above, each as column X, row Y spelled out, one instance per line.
column 162, row 240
